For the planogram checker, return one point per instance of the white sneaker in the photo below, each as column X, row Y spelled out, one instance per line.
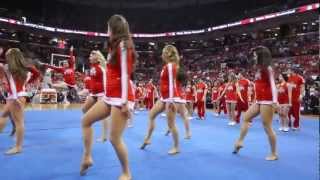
column 230, row 123
column 295, row 129
column 280, row 129
column 286, row 129
column 233, row 123
column 163, row 115
column 216, row 114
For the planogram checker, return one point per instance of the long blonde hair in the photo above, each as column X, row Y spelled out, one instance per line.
column 171, row 54
column 17, row 64
column 101, row 58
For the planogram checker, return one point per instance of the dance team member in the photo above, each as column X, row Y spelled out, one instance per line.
column 266, row 100
column 169, row 96
column 284, row 99
column 17, row 73
column 120, row 66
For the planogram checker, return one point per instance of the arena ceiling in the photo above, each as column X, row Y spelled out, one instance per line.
column 141, row 3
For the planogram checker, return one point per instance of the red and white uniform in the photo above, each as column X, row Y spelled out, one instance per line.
column 68, row 73
column 283, row 95
column 231, row 93
column 131, row 103
column 118, row 89
column 150, row 95
column 190, row 93
column 87, row 82
column 139, row 93
column 17, row 87
column 201, row 88
column 266, row 92
column 214, row 94
column 97, row 79
column 168, row 86
column 296, row 82
column 222, row 102
column 243, row 85
column 182, row 93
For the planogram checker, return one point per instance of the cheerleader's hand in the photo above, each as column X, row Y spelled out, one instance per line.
column 71, row 48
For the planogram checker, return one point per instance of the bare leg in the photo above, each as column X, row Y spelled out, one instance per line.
column 267, row 115
column 232, row 112
column 171, row 117
column 119, row 123
column 184, row 114
column 105, row 125
column 16, row 108
column 154, row 112
column 252, row 112
column 4, row 117
column 98, row 111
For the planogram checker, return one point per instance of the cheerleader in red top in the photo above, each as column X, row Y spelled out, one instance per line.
column 190, row 97
column 17, row 74
column 169, row 96
column 222, row 101
column 120, row 66
column 232, row 92
column 214, row 97
column 150, row 94
column 69, row 81
column 242, row 105
column 181, row 104
column 297, row 83
column 266, row 100
column 139, row 96
column 95, row 85
column 284, row 98
column 202, row 89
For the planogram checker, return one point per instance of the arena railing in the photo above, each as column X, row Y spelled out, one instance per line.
column 247, row 21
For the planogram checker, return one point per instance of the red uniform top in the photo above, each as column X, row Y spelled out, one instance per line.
column 68, row 73
column 87, row 82
column 266, row 92
column 118, row 88
column 251, row 91
column 168, row 87
column 283, row 96
column 190, row 93
column 181, row 91
column 231, row 92
column 133, row 89
column 16, row 87
column 201, row 87
column 221, row 89
column 296, row 81
column 150, row 88
column 243, row 86
column 97, row 76
column 214, row 94
column 139, row 93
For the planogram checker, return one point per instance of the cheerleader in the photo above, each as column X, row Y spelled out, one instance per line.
column 150, row 94
column 297, row 83
column 284, row 98
column 95, row 85
column 214, row 97
column 242, row 105
column 181, row 105
column 266, row 100
column 169, row 95
column 68, row 71
column 202, row 89
column 222, row 101
column 232, row 92
column 120, row 66
column 190, row 97
column 17, row 74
